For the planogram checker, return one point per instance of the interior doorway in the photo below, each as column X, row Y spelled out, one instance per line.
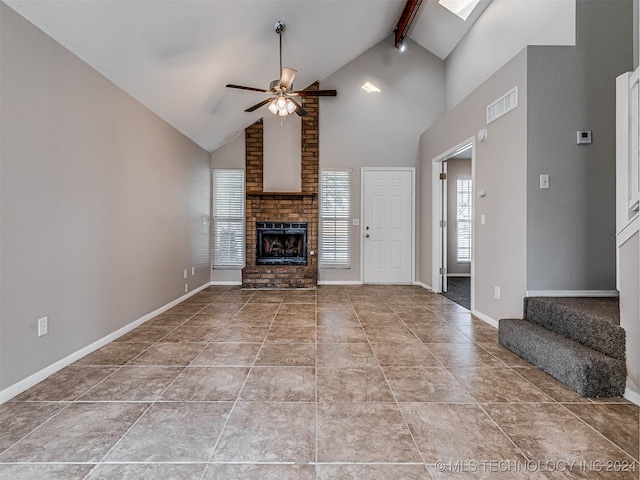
column 453, row 224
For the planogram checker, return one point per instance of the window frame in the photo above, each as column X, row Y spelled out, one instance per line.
column 467, row 191
column 342, row 223
column 236, row 193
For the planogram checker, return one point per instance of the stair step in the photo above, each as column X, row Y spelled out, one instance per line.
column 587, row 371
column 592, row 322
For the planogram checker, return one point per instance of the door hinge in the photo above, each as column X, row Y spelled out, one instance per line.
column 443, row 176
column 443, row 223
column 443, row 271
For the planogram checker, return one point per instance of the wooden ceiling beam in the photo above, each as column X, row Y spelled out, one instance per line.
column 404, row 24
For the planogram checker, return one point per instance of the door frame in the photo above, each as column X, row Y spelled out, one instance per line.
column 436, row 213
column 412, row 170
column 443, row 238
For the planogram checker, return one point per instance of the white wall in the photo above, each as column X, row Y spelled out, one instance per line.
column 630, row 308
column 504, row 29
column 358, row 129
column 102, row 203
column 500, row 169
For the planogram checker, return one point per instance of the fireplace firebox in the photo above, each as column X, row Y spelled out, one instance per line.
column 281, row 243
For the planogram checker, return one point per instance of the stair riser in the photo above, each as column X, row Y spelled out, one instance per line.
column 588, row 330
column 589, row 372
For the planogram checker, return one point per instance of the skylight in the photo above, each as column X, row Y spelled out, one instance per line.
column 461, row 8
column 370, row 87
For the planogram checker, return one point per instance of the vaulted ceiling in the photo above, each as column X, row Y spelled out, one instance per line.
column 176, row 56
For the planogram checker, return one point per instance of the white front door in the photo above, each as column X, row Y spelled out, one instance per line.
column 388, row 226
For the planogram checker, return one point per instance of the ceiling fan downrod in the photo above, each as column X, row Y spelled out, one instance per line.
column 279, row 28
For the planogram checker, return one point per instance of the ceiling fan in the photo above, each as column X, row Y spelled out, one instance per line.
column 281, row 91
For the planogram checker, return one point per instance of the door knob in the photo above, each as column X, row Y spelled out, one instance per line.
column 367, row 227
column 366, row 236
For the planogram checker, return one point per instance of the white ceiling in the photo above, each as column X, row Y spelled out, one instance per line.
column 176, row 56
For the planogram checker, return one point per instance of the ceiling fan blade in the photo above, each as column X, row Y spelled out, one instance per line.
column 248, row 88
column 315, row 93
column 258, row 105
column 286, row 80
column 299, row 110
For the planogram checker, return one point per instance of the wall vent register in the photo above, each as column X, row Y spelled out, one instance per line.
column 503, row 105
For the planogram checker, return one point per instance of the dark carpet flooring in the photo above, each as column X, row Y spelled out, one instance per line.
column 459, row 291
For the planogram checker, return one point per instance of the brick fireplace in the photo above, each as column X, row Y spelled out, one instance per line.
column 283, row 207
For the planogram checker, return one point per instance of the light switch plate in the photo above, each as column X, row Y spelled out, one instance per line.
column 544, row 181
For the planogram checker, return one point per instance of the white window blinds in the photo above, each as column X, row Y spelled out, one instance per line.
column 463, row 219
column 335, row 218
column 228, row 217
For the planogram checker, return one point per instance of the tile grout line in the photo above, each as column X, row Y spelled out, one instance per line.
column 224, row 426
column 315, row 453
column 393, row 394
column 199, row 353
column 599, row 433
column 209, row 464
column 151, row 403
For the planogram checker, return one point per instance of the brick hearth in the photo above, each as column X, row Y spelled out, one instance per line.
column 301, row 206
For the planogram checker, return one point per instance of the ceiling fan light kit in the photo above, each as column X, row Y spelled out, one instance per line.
column 281, row 103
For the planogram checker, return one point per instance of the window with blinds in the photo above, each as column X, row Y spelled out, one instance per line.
column 335, row 219
column 463, row 219
column 228, row 218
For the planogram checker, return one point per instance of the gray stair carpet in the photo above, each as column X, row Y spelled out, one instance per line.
column 579, row 341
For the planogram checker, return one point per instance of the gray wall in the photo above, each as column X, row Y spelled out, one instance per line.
column 358, row 129
column 102, row 204
column 456, row 167
column 571, row 226
column 230, row 155
column 636, row 33
column 500, row 169
column 504, row 29
column 282, row 144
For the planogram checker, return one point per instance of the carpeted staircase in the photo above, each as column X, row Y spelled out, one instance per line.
column 579, row 341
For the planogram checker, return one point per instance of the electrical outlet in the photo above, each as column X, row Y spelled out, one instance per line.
column 185, row 273
column 193, row 271
column 496, row 293
column 43, row 326
column 186, row 288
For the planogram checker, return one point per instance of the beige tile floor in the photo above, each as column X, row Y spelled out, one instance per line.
column 353, row 382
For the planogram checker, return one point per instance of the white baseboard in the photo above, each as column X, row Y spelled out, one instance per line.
column 339, row 282
column 221, row 282
column 572, row 293
column 485, row 318
column 632, row 396
column 423, row 285
column 19, row 387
